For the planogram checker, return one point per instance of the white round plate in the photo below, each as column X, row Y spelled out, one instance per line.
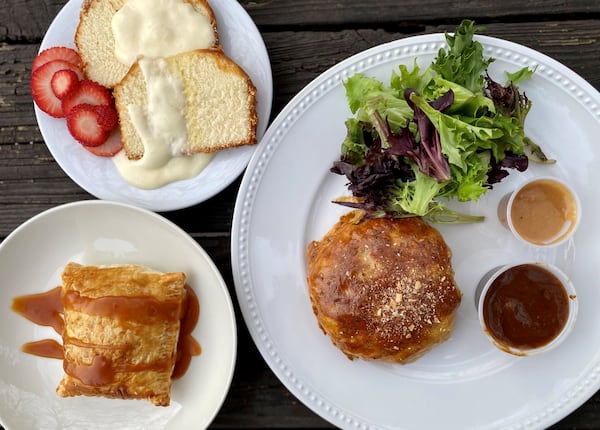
column 465, row 382
column 242, row 42
column 98, row 232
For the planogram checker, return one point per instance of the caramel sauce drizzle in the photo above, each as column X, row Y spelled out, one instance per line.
column 43, row 308
column 48, row 348
column 187, row 346
column 144, row 310
column 99, row 373
column 46, row 309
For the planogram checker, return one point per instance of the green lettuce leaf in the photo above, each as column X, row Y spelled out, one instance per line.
column 462, row 119
column 459, row 139
column 417, row 197
column 354, row 148
column 520, row 75
column 366, row 94
column 463, row 63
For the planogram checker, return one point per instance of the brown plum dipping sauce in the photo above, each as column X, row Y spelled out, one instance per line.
column 543, row 212
column 525, row 307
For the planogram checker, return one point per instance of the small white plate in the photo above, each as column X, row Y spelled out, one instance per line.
column 242, row 42
column 98, row 232
column 464, row 382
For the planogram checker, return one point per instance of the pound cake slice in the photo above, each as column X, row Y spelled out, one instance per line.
column 156, row 25
column 121, row 331
column 219, row 102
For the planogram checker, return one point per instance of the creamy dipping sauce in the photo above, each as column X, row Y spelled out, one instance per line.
column 162, row 129
column 543, row 212
column 159, row 28
column 525, row 307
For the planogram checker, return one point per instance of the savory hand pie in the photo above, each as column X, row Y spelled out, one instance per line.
column 382, row 289
column 121, row 327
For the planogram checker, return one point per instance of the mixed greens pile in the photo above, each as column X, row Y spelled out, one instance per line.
column 448, row 131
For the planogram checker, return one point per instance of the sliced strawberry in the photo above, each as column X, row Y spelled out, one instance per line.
column 109, row 148
column 41, row 86
column 82, row 123
column 87, row 92
column 107, row 116
column 56, row 53
column 63, row 82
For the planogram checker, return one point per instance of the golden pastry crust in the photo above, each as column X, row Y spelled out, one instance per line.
column 382, row 289
column 121, row 331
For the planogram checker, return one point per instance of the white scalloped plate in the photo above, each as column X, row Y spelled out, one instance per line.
column 98, row 232
column 242, row 42
column 284, row 203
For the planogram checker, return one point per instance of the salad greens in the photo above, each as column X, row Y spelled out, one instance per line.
column 448, row 131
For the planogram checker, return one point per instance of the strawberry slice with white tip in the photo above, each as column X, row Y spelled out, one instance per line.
column 56, row 53
column 64, row 82
column 41, row 86
column 109, row 148
column 82, row 122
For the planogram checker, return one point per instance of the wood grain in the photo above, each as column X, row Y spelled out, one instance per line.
column 303, row 38
column 409, row 13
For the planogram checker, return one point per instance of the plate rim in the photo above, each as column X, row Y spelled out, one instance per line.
column 588, row 97
column 244, row 153
column 184, row 236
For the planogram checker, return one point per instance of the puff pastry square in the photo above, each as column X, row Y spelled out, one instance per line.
column 121, row 331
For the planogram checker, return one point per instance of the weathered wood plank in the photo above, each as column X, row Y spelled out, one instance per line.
column 17, row 120
column 281, row 13
column 31, row 182
column 27, row 20
column 299, row 57
column 304, row 39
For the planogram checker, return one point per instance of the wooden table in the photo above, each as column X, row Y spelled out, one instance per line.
column 303, row 38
